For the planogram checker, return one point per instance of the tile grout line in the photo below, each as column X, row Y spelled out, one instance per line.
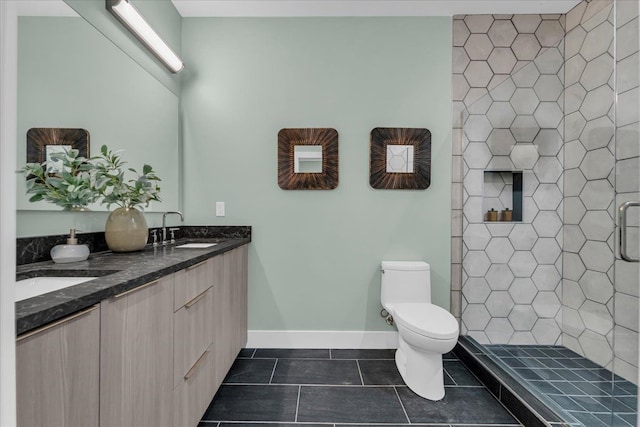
column 359, row 372
column 298, row 403
column 402, row 405
column 349, row 385
column 455, row 383
column 273, row 371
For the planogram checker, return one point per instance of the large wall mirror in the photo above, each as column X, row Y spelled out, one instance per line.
column 71, row 76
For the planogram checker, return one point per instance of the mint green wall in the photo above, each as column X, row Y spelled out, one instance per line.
column 314, row 261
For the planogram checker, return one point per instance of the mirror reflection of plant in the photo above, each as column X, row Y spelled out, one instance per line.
column 110, row 183
column 70, row 187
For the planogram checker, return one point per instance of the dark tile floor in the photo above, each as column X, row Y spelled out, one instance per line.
column 581, row 391
column 285, row 387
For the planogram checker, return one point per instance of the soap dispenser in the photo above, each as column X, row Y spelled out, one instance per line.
column 71, row 252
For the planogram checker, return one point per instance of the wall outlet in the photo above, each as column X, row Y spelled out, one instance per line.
column 219, row 208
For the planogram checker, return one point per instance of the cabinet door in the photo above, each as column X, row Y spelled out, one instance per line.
column 57, row 372
column 136, row 365
column 239, row 273
column 223, row 321
column 230, row 311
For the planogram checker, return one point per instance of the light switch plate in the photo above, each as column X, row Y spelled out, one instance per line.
column 219, row 208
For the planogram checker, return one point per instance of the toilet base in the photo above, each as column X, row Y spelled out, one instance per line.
column 421, row 371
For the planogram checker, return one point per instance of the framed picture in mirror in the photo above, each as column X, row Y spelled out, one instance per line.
column 308, row 159
column 43, row 142
column 400, row 158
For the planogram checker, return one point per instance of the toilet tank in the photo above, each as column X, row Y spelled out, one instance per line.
column 405, row 281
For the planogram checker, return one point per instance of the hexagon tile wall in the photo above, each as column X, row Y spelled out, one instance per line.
column 508, row 284
column 508, row 73
column 519, row 84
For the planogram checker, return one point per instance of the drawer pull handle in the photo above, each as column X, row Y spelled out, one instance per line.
column 56, row 323
column 196, row 365
column 196, row 299
column 191, row 267
column 139, row 288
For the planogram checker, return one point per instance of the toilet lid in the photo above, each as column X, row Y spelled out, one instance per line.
column 427, row 319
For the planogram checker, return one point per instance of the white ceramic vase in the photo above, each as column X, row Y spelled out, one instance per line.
column 126, row 230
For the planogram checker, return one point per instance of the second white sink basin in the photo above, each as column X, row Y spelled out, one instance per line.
column 196, row 245
column 29, row 288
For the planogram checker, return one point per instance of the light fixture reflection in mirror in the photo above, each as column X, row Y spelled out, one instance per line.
column 129, row 16
column 399, row 158
column 307, row 159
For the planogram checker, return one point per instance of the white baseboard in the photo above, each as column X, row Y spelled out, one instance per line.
column 322, row 339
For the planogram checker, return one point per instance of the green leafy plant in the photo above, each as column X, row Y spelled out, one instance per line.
column 80, row 181
column 70, row 187
column 109, row 181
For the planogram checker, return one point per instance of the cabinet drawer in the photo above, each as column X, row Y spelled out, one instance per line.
column 193, row 332
column 191, row 282
column 194, row 392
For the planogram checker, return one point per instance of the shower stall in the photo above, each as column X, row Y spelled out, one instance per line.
column 546, row 216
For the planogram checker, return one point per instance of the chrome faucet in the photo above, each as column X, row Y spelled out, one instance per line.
column 164, row 224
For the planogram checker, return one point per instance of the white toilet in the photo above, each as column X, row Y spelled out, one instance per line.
column 426, row 331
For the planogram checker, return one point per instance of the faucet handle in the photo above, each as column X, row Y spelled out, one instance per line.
column 154, row 234
column 173, row 236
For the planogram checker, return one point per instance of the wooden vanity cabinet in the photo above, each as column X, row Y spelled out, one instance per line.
column 136, row 364
column 57, row 371
column 152, row 356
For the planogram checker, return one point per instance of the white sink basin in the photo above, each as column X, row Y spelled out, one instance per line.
column 29, row 288
column 196, row 245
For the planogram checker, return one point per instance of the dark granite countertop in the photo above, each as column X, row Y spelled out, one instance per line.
column 118, row 272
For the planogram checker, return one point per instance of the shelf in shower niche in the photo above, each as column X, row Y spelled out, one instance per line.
column 502, row 190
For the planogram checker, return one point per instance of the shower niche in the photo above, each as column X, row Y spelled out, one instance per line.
column 502, row 196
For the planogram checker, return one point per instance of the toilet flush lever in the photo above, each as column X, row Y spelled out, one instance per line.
column 387, row 317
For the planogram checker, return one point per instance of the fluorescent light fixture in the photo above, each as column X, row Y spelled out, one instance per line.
column 131, row 18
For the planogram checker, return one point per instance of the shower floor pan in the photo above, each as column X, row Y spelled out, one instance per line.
column 551, row 385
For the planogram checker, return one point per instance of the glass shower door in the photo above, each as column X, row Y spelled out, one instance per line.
column 627, row 204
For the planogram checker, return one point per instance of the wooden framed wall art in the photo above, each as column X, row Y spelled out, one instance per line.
column 400, row 158
column 42, row 142
column 308, row 158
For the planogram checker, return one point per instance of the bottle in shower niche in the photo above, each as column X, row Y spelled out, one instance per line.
column 506, row 215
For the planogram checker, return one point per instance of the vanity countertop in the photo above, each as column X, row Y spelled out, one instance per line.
column 118, row 272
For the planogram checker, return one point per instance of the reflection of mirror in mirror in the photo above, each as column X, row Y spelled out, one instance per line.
column 399, row 158
column 55, row 166
column 71, row 76
column 307, row 159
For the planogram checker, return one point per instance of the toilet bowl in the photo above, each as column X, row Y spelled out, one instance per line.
column 425, row 330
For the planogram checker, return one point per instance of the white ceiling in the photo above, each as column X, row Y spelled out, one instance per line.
column 287, row 8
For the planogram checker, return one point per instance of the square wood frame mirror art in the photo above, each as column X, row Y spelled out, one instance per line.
column 295, row 147
column 400, row 158
column 41, row 140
